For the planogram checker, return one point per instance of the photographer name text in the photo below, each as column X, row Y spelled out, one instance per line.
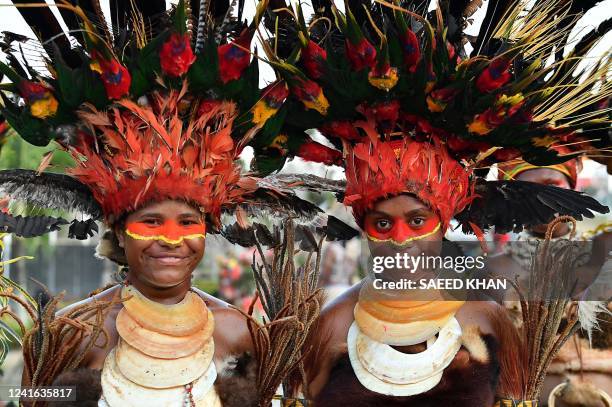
column 441, row 284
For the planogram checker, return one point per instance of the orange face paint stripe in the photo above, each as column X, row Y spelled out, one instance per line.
column 405, row 242
column 169, row 232
column 164, row 238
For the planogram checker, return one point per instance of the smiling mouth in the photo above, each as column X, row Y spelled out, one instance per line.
column 169, row 260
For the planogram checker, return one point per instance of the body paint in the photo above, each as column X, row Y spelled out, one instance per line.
column 170, row 231
column 401, row 233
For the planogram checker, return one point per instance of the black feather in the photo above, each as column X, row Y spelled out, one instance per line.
column 235, row 234
column 29, row 226
column 338, row 230
column 48, row 190
column 496, row 9
column 82, row 229
column 48, row 30
column 512, row 205
column 306, row 238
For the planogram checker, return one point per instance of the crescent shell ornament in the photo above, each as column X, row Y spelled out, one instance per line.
column 160, row 345
column 182, row 319
column 414, row 380
column 119, row 391
column 158, row 373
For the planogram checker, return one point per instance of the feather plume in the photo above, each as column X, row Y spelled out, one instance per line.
column 542, row 334
column 144, row 145
column 48, row 190
column 588, row 316
column 512, row 205
column 202, row 16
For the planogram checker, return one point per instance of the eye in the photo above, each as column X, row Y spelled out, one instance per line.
column 383, row 225
column 188, row 222
column 151, row 222
column 417, row 221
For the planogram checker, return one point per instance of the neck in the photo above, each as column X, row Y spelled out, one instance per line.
column 162, row 295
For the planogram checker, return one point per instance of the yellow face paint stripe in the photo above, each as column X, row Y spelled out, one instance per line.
column 512, row 174
column 164, row 238
column 405, row 242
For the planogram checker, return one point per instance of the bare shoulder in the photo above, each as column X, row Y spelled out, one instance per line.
column 231, row 333
column 337, row 316
column 329, row 338
column 107, row 295
column 94, row 358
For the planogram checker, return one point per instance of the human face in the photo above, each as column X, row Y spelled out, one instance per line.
column 163, row 243
column 403, row 224
column 547, row 176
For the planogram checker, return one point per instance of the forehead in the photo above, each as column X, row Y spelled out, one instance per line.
column 168, row 208
column 399, row 205
column 541, row 175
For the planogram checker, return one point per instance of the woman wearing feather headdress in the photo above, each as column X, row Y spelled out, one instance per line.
column 414, row 122
column 155, row 118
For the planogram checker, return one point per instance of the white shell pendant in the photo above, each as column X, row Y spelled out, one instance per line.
column 382, row 369
column 160, row 345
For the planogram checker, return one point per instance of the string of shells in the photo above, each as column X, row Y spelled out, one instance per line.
column 164, row 355
column 381, row 323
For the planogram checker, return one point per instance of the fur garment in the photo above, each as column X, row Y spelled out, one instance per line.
column 108, row 248
column 88, row 388
column 467, row 383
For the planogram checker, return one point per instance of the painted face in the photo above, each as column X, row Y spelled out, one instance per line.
column 169, row 231
column 403, row 224
column 400, row 231
column 163, row 243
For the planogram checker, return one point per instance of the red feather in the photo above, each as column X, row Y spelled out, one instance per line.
column 149, row 154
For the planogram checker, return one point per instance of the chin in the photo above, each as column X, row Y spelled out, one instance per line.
column 167, row 276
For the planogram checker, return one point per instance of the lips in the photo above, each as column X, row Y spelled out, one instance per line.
column 168, row 259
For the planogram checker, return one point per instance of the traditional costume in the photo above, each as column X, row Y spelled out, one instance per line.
column 158, row 108
column 405, row 111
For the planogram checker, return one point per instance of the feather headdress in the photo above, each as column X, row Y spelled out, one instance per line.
column 146, row 111
column 408, row 76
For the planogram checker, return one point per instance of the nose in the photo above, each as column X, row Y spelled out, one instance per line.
column 169, row 244
column 401, row 232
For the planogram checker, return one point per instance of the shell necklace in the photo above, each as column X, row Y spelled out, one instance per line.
column 164, row 355
column 380, row 324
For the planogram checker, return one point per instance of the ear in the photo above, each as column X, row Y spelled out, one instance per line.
column 120, row 233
